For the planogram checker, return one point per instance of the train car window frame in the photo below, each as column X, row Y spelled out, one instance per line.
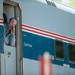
column 72, row 45
column 18, row 17
column 57, row 57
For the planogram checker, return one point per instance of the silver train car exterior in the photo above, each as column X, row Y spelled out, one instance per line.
column 40, row 28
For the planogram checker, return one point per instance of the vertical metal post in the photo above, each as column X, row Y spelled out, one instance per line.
column 18, row 67
column 18, row 59
column 18, row 42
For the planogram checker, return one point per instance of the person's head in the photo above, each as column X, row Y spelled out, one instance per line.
column 12, row 22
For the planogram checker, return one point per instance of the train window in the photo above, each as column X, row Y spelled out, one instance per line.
column 72, row 52
column 59, row 49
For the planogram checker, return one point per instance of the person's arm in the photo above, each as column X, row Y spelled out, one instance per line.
column 8, row 31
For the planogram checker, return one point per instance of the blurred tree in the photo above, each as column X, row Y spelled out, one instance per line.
column 72, row 3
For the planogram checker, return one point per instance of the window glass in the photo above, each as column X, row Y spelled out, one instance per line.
column 72, row 52
column 59, row 49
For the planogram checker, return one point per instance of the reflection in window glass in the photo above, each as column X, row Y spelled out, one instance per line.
column 59, row 49
column 72, row 52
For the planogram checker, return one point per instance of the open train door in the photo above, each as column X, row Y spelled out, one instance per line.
column 12, row 53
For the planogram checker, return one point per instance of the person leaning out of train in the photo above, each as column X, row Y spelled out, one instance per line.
column 10, row 33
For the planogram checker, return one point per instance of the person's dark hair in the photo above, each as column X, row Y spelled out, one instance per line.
column 11, row 19
column 5, row 18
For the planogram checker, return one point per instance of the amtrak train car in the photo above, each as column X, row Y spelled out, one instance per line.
column 47, row 28
column 42, row 26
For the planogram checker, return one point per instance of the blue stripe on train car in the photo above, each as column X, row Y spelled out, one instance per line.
column 1, row 39
column 35, row 45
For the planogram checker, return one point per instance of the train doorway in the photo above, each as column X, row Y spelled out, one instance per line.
column 12, row 52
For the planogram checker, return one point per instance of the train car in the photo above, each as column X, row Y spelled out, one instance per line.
column 42, row 26
column 47, row 28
